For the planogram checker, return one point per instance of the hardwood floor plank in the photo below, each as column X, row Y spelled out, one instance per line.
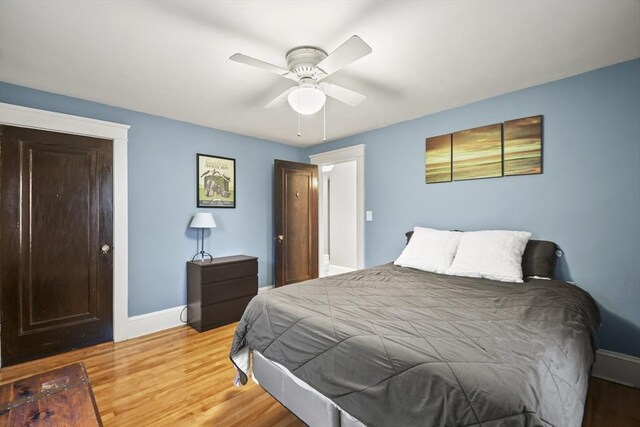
column 611, row 404
column 173, row 377
column 180, row 377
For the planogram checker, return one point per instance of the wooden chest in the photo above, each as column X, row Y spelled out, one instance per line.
column 61, row 397
column 219, row 290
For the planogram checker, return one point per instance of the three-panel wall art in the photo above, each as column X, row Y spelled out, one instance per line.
column 503, row 149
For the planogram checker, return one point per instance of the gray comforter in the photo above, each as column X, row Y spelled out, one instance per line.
column 396, row 346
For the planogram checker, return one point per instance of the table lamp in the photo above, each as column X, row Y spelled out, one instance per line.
column 202, row 220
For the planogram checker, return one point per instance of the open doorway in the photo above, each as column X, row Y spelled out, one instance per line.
column 339, row 214
column 340, row 210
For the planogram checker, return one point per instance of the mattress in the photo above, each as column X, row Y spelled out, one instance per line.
column 398, row 346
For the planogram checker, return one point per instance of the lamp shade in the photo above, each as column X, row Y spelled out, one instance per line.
column 203, row 220
column 306, row 100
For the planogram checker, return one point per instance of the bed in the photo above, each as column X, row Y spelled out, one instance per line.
column 396, row 346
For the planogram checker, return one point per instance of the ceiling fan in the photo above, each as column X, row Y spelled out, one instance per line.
column 308, row 66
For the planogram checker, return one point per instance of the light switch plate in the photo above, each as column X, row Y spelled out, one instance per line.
column 369, row 215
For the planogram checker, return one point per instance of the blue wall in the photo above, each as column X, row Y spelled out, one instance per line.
column 587, row 200
column 162, row 195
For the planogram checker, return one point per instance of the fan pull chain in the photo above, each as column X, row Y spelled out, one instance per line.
column 298, row 115
column 324, row 122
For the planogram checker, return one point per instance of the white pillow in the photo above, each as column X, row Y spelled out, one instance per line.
column 430, row 250
column 492, row 254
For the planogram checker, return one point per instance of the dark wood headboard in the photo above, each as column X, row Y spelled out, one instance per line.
column 408, row 234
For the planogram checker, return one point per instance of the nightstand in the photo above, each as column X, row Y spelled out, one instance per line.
column 219, row 290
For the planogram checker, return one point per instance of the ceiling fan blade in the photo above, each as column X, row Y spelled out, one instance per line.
column 244, row 59
column 342, row 94
column 350, row 51
column 280, row 99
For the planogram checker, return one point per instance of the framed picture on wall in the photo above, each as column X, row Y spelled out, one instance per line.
column 477, row 153
column 523, row 146
column 216, row 181
column 438, row 159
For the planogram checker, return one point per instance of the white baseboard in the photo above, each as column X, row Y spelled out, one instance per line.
column 153, row 322
column 149, row 323
column 617, row 367
column 338, row 269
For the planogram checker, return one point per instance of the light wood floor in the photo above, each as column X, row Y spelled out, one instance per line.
column 179, row 377
column 176, row 377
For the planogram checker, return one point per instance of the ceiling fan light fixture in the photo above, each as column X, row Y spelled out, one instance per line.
column 306, row 100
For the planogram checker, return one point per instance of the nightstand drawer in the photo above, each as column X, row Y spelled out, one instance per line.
column 224, row 291
column 219, row 273
column 219, row 290
column 224, row 313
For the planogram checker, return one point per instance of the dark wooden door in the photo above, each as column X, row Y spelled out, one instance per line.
column 56, row 281
column 296, row 224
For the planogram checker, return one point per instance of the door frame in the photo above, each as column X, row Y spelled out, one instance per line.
column 15, row 115
column 355, row 152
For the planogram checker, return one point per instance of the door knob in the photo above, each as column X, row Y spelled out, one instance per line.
column 105, row 248
column 280, row 238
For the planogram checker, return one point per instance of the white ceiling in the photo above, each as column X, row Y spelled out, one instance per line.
column 170, row 58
